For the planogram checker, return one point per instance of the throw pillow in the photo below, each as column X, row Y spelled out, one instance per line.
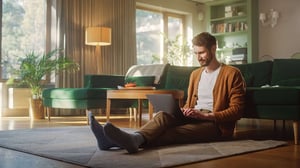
column 141, row 80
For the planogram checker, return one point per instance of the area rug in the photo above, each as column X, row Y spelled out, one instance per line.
column 77, row 145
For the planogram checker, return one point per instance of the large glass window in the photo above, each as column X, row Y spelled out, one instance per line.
column 158, row 34
column 175, row 27
column 149, row 27
column 23, row 29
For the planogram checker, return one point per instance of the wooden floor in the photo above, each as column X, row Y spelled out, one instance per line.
column 282, row 157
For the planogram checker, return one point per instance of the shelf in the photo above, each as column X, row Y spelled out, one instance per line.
column 232, row 23
column 233, row 18
column 227, row 49
column 224, row 49
column 228, row 28
column 230, row 33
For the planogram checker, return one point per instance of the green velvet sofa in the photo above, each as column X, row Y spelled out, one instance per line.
column 273, row 89
column 93, row 94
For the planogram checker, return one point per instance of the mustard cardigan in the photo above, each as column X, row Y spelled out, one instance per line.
column 228, row 97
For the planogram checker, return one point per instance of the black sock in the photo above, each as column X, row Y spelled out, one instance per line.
column 103, row 142
column 129, row 141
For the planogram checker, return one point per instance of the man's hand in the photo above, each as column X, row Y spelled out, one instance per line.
column 197, row 114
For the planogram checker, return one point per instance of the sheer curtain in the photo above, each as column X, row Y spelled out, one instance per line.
column 68, row 20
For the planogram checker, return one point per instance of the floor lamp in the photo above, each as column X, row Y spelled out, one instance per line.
column 98, row 36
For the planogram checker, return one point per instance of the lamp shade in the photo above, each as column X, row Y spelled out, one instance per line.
column 98, row 36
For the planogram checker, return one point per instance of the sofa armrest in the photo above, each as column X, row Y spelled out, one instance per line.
column 103, row 81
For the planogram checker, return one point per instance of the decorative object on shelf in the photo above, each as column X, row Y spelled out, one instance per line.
column 98, row 36
column 269, row 18
column 230, row 11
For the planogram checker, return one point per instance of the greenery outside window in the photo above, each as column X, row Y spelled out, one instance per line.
column 158, row 35
column 23, row 29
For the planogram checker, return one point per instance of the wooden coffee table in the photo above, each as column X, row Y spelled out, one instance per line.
column 139, row 95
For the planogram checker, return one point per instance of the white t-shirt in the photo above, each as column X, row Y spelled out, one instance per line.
column 205, row 89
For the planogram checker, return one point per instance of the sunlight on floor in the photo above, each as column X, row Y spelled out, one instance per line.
column 14, row 123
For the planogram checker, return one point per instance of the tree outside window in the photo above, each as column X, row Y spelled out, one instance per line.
column 148, row 29
column 23, row 30
column 160, row 38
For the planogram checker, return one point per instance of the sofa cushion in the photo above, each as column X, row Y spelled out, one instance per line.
column 74, row 103
column 275, row 112
column 80, row 98
column 256, row 74
column 273, row 96
column 178, row 78
column 279, row 112
column 141, row 80
column 286, row 72
column 75, row 93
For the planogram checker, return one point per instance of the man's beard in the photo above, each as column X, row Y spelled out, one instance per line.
column 205, row 62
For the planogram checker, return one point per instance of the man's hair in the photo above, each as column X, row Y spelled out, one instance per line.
column 204, row 39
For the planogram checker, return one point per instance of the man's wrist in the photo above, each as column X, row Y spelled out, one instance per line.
column 211, row 116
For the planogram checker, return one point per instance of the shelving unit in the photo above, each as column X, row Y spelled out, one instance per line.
column 235, row 25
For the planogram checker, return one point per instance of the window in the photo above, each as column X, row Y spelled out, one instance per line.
column 148, row 30
column 157, row 33
column 174, row 27
column 23, row 29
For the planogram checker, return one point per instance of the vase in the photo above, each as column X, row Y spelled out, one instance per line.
column 36, row 109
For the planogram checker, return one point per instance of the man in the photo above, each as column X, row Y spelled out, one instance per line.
column 215, row 102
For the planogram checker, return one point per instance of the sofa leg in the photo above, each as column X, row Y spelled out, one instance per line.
column 283, row 126
column 296, row 130
column 87, row 116
column 274, row 125
column 48, row 112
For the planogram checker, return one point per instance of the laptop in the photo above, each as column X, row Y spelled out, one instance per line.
column 166, row 103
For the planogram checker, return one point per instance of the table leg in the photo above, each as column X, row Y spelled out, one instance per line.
column 180, row 102
column 108, row 104
column 150, row 110
column 139, row 111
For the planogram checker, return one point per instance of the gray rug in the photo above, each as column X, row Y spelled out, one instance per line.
column 78, row 145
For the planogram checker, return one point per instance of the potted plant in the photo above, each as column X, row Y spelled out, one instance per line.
column 31, row 70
